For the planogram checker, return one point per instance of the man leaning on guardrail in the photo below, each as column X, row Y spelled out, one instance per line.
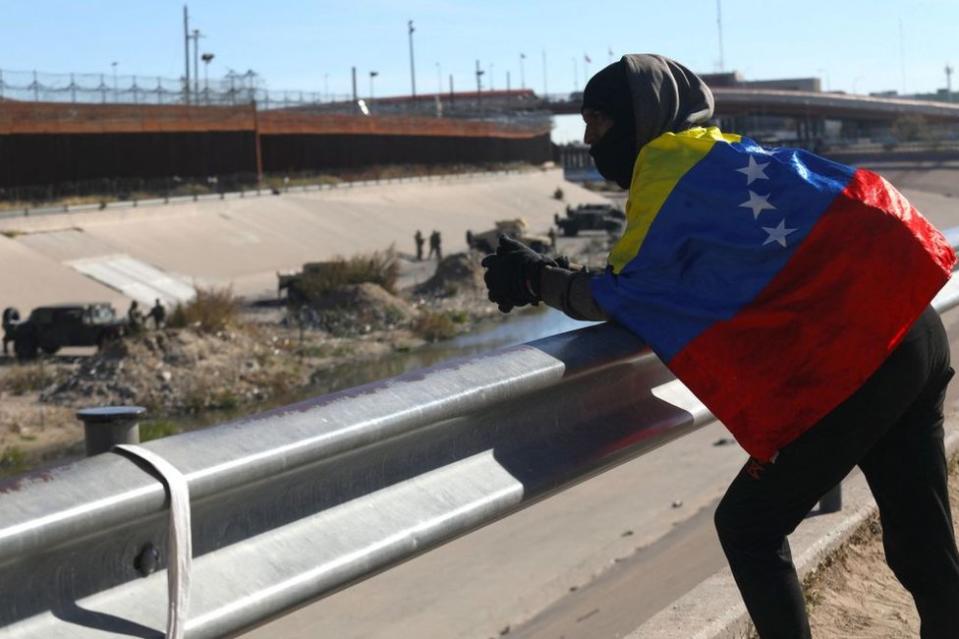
column 791, row 295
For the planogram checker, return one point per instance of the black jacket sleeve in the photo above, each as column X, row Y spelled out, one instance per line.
column 568, row 291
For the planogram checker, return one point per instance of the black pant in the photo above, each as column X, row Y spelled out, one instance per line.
column 892, row 428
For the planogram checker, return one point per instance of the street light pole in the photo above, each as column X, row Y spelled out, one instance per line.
column 186, row 54
column 412, row 65
column 522, row 73
column 196, row 65
column 479, row 86
column 116, row 93
column 373, row 74
column 207, row 58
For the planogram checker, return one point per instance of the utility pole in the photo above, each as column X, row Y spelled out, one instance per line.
column 186, row 54
column 196, row 66
column 412, row 65
column 354, row 86
column 948, row 82
column 479, row 87
column 116, row 91
column 719, row 24
column 522, row 73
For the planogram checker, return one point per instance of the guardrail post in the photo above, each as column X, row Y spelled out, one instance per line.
column 106, row 426
column 831, row 502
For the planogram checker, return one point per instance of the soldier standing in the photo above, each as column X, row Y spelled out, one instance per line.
column 418, row 238
column 11, row 317
column 135, row 317
column 158, row 314
column 435, row 245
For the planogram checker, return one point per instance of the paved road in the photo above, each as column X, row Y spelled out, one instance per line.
column 595, row 561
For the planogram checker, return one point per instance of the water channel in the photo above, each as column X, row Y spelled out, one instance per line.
column 486, row 336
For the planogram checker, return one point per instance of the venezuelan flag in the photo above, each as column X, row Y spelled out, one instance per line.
column 772, row 282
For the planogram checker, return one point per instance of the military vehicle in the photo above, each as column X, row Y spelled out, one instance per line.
column 49, row 328
column 591, row 217
column 487, row 241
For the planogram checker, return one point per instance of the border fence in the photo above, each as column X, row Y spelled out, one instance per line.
column 108, row 88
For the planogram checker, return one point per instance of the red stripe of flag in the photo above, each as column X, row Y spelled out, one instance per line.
column 826, row 321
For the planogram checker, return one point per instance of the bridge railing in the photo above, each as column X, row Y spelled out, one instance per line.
column 300, row 501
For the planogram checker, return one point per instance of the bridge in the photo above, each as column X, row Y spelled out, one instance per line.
column 734, row 101
column 249, row 519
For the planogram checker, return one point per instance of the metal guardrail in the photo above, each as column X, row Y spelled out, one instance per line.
column 303, row 500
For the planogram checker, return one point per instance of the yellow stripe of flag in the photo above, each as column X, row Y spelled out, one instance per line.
column 660, row 165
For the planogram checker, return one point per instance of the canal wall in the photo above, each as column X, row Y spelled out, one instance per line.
column 244, row 242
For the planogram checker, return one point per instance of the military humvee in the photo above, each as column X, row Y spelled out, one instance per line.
column 50, row 328
column 591, row 217
column 487, row 241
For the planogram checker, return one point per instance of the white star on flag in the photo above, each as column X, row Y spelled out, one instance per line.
column 754, row 171
column 758, row 203
column 778, row 234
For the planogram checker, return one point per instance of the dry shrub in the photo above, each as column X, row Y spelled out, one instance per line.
column 379, row 267
column 434, row 327
column 213, row 309
column 27, row 378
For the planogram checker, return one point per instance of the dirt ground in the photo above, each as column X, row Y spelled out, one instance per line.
column 264, row 354
column 856, row 596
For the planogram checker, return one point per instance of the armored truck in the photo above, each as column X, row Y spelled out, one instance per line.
column 487, row 241
column 591, row 217
column 49, row 328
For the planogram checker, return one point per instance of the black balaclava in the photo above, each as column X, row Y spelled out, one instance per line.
column 645, row 95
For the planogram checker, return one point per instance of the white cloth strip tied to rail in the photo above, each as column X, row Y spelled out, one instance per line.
column 179, row 538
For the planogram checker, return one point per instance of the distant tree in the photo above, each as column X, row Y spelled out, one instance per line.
column 911, row 128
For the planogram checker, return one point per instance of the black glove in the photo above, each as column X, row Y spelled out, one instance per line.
column 513, row 273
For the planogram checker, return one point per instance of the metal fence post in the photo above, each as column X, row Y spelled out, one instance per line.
column 106, row 426
column 831, row 502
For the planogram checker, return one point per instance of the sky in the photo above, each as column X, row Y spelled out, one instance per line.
column 853, row 45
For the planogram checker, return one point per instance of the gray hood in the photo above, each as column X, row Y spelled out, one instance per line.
column 666, row 96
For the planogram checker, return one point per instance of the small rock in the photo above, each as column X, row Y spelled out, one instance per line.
column 166, row 376
column 677, row 504
column 504, row 631
column 627, row 533
column 724, row 441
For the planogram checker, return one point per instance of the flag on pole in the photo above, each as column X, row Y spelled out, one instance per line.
column 772, row 282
